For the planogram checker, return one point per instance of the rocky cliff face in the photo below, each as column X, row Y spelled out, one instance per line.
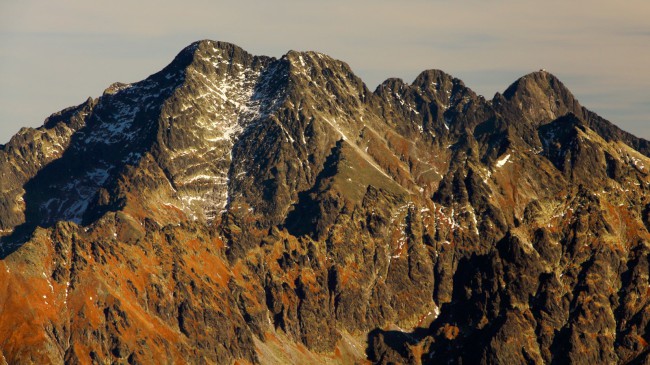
column 236, row 208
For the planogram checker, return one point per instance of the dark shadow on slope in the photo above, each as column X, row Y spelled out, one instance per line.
column 559, row 138
column 68, row 188
column 458, row 334
column 393, row 346
column 77, row 186
column 314, row 210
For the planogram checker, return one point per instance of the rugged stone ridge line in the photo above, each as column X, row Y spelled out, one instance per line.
column 241, row 208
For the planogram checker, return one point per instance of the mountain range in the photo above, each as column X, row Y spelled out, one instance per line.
column 234, row 208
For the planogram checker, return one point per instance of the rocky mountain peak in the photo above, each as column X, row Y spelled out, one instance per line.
column 540, row 97
column 221, row 56
column 437, row 80
column 535, row 83
column 316, row 71
column 242, row 208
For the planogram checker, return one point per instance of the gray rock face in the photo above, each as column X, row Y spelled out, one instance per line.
column 234, row 207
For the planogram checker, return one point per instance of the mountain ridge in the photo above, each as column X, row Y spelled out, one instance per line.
column 273, row 210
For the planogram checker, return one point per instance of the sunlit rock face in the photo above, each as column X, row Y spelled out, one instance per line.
column 240, row 208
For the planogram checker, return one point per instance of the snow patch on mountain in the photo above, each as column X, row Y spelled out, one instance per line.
column 220, row 99
column 502, row 161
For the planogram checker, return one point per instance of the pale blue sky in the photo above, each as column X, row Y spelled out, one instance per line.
column 55, row 54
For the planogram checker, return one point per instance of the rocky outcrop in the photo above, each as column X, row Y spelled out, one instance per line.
column 240, row 208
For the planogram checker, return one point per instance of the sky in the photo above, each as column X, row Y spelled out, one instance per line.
column 55, row 54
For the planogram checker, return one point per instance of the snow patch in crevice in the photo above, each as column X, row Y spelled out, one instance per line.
column 403, row 239
column 502, row 161
column 436, row 312
column 446, row 122
column 471, row 211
